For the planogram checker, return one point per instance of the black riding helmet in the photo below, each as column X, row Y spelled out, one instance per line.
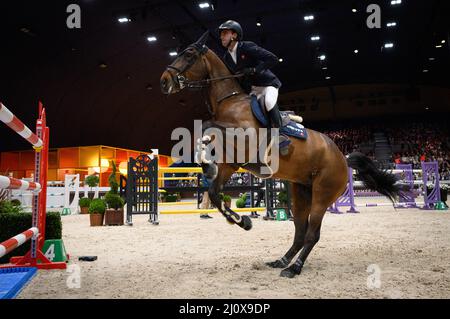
column 232, row 25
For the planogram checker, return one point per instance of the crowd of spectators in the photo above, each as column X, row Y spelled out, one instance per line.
column 351, row 139
column 411, row 142
column 416, row 142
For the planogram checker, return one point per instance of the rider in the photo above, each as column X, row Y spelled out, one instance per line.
column 254, row 62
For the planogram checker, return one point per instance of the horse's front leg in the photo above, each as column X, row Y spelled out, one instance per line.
column 217, row 175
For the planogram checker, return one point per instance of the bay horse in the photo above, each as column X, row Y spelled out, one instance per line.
column 315, row 167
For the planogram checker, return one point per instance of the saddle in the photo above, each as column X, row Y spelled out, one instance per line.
column 290, row 122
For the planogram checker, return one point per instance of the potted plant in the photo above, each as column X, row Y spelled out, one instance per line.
column 96, row 210
column 227, row 201
column 114, row 214
column 84, row 203
column 92, row 181
column 240, row 203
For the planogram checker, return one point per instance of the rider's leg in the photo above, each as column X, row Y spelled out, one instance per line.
column 270, row 101
column 268, row 97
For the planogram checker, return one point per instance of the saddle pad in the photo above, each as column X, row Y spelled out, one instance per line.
column 293, row 129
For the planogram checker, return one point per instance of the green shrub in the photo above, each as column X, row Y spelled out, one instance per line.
column 84, row 202
column 16, row 202
column 53, row 226
column 92, row 180
column 112, row 197
column 226, row 198
column 15, row 223
column 240, row 203
column 283, row 198
column 97, row 206
column 7, row 206
column 170, row 197
column 112, row 181
column 114, row 201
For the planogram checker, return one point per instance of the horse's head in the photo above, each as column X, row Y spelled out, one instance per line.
column 188, row 66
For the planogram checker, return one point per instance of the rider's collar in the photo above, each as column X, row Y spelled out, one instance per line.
column 234, row 48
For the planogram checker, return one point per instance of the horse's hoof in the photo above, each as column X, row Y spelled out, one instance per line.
column 246, row 223
column 287, row 273
column 291, row 272
column 276, row 264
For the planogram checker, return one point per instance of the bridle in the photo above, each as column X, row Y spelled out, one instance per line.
column 184, row 82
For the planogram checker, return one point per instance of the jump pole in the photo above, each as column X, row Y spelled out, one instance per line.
column 14, row 242
column 40, row 141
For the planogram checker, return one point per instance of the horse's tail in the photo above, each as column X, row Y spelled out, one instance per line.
column 372, row 177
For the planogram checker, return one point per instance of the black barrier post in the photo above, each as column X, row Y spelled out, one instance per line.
column 198, row 190
column 142, row 188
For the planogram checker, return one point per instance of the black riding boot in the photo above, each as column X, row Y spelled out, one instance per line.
column 275, row 119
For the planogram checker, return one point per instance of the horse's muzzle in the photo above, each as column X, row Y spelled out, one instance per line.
column 166, row 83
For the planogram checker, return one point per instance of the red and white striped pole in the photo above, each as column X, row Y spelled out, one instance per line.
column 14, row 183
column 35, row 257
column 17, row 240
column 16, row 125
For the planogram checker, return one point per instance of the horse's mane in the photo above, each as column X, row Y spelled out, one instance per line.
column 224, row 66
column 219, row 60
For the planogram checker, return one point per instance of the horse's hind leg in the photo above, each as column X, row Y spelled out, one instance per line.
column 311, row 238
column 301, row 197
column 324, row 192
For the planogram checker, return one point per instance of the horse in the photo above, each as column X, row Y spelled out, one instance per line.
column 315, row 167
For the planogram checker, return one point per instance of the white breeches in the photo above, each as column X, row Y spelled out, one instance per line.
column 266, row 95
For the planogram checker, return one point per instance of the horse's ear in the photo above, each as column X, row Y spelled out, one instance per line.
column 202, row 40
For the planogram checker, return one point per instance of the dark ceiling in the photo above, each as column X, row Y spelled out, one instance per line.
column 120, row 104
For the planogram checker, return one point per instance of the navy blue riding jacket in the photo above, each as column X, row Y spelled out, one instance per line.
column 250, row 55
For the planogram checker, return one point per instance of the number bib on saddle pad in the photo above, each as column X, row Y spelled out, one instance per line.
column 292, row 128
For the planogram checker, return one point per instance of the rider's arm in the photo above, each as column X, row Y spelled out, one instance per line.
column 266, row 58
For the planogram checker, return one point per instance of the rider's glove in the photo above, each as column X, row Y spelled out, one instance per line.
column 249, row 71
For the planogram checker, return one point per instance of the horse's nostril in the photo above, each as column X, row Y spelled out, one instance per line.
column 163, row 82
